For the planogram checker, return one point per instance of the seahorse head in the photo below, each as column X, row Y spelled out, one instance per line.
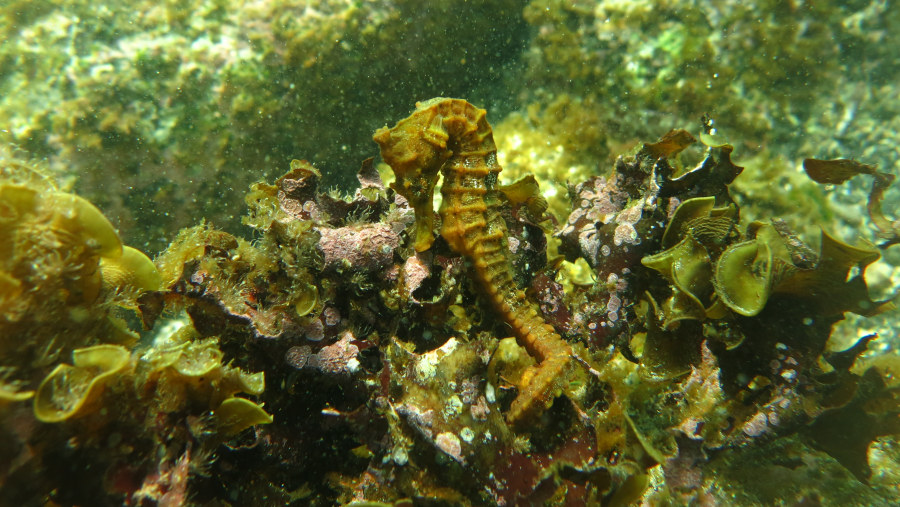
column 416, row 149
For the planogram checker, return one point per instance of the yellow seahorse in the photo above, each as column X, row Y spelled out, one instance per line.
column 452, row 136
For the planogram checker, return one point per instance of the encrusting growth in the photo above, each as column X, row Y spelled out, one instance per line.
column 452, row 136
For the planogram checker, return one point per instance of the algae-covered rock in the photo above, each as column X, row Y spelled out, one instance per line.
column 326, row 360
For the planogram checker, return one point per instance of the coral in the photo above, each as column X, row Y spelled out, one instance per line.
column 366, row 248
column 337, row 358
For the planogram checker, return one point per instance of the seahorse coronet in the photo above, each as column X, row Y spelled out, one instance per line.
column 453, row 137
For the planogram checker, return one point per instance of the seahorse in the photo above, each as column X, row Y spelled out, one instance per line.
column 453, row 136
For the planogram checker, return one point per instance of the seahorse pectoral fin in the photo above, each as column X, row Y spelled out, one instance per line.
column 421, row 201
column 424, row 230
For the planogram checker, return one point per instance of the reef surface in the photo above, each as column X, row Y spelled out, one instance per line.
column 628, row 294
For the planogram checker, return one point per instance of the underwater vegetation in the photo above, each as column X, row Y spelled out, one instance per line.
column 184, row 104
column 77, row 388
column 363, row 349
